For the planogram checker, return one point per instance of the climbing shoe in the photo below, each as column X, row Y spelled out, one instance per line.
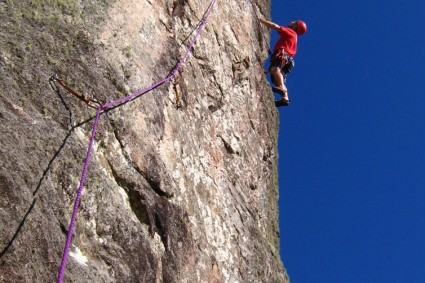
column 282, row 102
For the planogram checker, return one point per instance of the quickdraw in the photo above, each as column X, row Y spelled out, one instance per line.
column 93, row 102
column 176, row 90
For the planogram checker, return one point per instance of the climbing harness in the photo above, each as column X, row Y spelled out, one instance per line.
column 93, row 103
column 283, row 61
column 110, row 104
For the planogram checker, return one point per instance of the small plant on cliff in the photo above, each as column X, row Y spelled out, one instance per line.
column 127, row 51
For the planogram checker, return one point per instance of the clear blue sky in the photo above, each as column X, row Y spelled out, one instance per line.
column 351, row 144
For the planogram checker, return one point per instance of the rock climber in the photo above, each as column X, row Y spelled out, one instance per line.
column 282, row 60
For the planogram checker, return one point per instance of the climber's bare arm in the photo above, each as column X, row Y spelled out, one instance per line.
column 269, row 24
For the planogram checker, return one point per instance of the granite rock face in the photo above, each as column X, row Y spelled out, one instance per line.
column 182, row 181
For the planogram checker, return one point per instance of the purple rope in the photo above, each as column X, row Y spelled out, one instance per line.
column 173, row 73
column 78, row 198
column 99, row 110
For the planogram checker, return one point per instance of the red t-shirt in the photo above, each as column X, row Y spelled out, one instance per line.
column 287, row 41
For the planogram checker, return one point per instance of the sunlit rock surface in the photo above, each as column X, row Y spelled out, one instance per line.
column 182, row 182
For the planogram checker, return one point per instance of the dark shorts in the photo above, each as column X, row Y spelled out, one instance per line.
column 283, row 61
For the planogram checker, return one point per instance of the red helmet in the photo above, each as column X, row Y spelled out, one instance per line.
column 301, row 27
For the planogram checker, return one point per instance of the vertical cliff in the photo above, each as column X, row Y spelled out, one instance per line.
column 182, row 181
